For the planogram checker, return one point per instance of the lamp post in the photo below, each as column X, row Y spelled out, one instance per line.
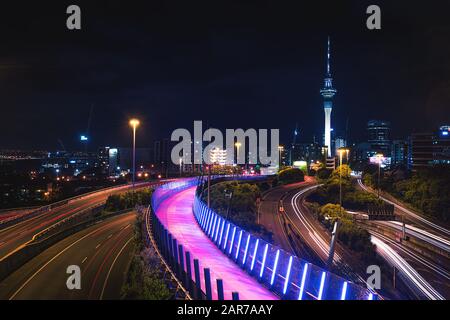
column 379, row 158
column 341, row 151
column 280, row 150
column 134, row 123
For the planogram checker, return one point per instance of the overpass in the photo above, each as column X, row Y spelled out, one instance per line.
column 245, row 263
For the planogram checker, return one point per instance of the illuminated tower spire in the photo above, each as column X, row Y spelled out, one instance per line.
column 328, row 93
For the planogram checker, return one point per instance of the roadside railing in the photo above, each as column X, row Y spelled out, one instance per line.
column 180, row 263
column 287, row 275
column 15, row 219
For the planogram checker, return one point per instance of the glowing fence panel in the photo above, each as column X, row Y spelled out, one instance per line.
column 289, row 276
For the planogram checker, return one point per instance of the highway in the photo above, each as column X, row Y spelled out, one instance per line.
column 418, row 233
column 103, row 253
column 283, row 233
column 424, row 277
column 309, row 239
column 16, row 236
column 412, row 278
column 414, row 217
column 176, row 215
column 317, row 239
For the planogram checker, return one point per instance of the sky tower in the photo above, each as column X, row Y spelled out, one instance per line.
column 328, row 93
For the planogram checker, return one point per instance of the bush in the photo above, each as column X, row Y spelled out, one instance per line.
column 324, row 173
column 145, row 275
column 291, row 175
column 128, row 200
column 243, row 211
column 349, row 233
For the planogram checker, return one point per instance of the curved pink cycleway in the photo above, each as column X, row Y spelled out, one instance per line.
column 176, row 215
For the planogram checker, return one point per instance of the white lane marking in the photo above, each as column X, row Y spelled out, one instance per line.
column 47, row 263
column 97, row 246
column 112, row 265
column 84, row 260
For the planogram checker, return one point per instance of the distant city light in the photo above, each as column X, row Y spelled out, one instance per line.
column 84, row 138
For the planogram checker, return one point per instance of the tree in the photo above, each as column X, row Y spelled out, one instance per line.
column 291, row 175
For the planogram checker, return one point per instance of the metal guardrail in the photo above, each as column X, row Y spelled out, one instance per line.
column 49, row 236
column 287, row 275
column 13, row 220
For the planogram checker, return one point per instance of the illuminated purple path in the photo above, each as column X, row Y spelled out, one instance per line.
column 176, row 215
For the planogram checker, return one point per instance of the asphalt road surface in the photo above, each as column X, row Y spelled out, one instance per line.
column 14, row 237
column 103, row 253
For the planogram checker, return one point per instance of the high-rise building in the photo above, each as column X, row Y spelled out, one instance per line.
column 328, row 92
column 427, row 149
column 218, row 156
column 378, row 136
column 339, row 143
column 399, row 152
column 309, row 152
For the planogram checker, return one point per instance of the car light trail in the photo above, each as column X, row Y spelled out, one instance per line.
column 405, row 268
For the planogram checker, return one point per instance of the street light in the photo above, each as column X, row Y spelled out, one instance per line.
column 134, row 123
column 379, row 157
column 341, row 151
column 238, row 145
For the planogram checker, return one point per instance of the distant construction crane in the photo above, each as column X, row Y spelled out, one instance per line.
column 294, row 141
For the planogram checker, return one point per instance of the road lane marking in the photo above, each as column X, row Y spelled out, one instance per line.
column 109, row 252
column 46, row 264
column 96, row 247
column 84, row 260
column 112, row 265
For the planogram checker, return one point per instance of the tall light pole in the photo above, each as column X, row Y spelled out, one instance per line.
column 341, row 151
column 379, row 158
column 134, row 123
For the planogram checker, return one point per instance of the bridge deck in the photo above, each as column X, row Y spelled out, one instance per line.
column 176, row 215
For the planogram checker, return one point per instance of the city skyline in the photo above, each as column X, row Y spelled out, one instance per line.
column 251, row 69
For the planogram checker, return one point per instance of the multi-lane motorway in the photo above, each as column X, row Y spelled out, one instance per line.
column 17, row 235
column 421, row 273
column 424, row 276
column 103, row 253
column 297, row 231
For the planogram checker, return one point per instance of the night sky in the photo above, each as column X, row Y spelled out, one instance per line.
column 235, row 64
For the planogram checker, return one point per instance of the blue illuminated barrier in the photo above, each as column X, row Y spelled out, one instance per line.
column 288, row 276
column 186, row 270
